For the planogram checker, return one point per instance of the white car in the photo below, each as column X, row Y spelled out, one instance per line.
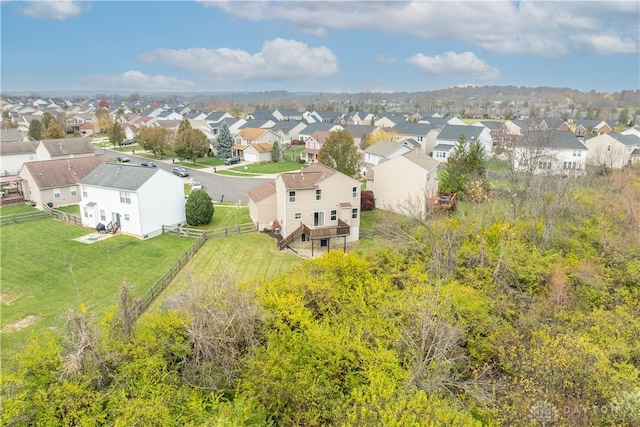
column 196, row 185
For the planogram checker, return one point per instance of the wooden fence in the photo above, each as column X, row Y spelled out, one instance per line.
column 201, row 237
column 147, row 298
column 63, row 216
column 22, row 217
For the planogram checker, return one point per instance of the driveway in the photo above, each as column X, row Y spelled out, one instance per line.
column 219, row 187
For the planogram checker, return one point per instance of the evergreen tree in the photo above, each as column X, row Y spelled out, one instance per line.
column 199, row 208
column 36, row 129
column 225, row 141
column 275, row 152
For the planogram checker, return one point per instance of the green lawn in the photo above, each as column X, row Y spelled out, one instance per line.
column 249, row 258
column 16, row 209
column 38, row 258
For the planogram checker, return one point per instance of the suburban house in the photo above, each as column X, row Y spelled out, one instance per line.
column 287, row 114
column 262, row 205
column 405, row 184
column 593, row 127
column 612, row 150
column 313, row 144
column 517, row 127
column 425, row 134
column 313, row 127
column 360, row 132
column 317, row 208
column 137, row 199
column 380, row 151
column 14, row 154
column 288, row 130
column 249, row 136
column 497, row 130
column 258, row 152
column 56, row 181
column 549, row 152
column 64, row 148
column 12, row 135
column 449, row 136
column 553, row 123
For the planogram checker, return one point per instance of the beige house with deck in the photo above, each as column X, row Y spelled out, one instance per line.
column 317, row 208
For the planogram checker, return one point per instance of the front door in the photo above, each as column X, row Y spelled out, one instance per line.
column 115, row 218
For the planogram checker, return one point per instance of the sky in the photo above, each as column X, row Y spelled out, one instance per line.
column 317, row 46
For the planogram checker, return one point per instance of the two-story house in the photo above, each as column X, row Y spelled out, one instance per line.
column 549, row 152
column 611, row 150
column 64, row 148
column 405, row 184
column 137, row 199
column 313, row 144
column 56, row 181
column 14, row 154
column 317, row 208
column 248, row 136
column 424, row 133
column 451, row 134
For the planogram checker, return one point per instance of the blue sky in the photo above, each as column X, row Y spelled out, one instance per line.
column 318, row 46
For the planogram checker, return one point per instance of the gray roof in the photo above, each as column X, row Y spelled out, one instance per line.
column 550, row 139
column 11, row 135
column 453, row 132
column 443, row 147
column 119, row 176
column 410, row 128
column 628, row 140
column 312, row 127
column 491, row 124
column 422, row 160
column 383, row 148
column 358, row 130
column 13, row 148
column 66, row 146
column 438, row 122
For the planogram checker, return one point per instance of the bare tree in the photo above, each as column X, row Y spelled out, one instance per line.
column 223, row 326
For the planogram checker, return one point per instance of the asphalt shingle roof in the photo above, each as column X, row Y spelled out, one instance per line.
column 119, row 176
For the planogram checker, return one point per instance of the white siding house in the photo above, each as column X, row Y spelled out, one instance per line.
column 138, row 199
column 546, row 152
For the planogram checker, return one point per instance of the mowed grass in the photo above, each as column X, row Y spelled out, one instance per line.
column 16, row 209
column 248, row 258
column 45, row 272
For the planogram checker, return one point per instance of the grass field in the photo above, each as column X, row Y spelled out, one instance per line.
column 45, row 272
column 16, row 209
column 249, row 258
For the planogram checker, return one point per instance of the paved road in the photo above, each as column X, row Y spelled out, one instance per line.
column 219, row 187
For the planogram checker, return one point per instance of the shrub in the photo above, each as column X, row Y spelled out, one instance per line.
column 367, row 201
column 199, row 208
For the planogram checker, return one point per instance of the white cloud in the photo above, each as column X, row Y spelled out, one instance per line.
column 460, row 65
column 137, row 80
column 52, row 9
column 384, row 59
column 603, row 44
column 279, row 60
column 543, row 28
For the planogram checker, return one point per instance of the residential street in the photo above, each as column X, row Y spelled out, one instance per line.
column 219, row 187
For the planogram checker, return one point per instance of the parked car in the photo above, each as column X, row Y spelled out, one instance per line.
column 232, row 160
column 180, row 171
column 128, row 142
column 196, row 185
column 123, row 159
column 148, row 164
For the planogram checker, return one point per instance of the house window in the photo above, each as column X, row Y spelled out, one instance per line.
column 73, row 190
column 318, row 193
column 126, row 217
column 292, row 196
column 103, row 216
column 354, row 213
column 57, row 193
column 334, row 215
column 577, row 153
column 32, row 157
column 86, row 212
column 420, row 138
column 297, row 215
column 354, row 192
column 84, row 191
column 125, row 197
column 569, row 165
column 305, row 238
column 318, row 219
